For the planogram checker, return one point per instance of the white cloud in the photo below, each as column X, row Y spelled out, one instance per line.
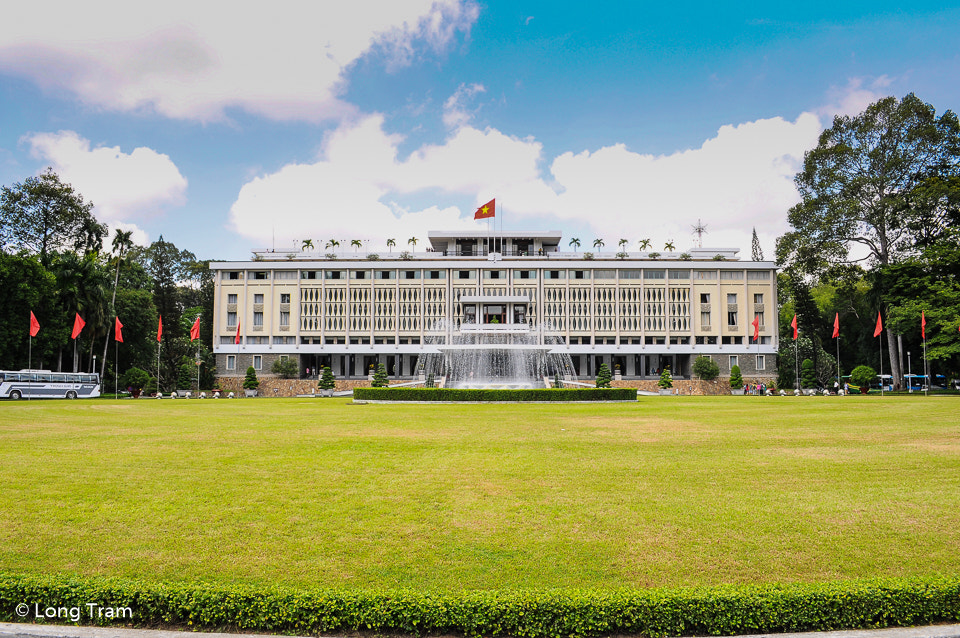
column 123, row 187
column 455, row 111
column 856, row 96
column 194, row 60
column 741, row 178
column 137, row 235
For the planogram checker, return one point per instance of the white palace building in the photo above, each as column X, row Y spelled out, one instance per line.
column 638, row 312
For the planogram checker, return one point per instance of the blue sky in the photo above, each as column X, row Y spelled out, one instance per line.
column 227, row 132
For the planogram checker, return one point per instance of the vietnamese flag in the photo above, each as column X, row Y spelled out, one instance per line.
column 794, row 324
column 237, row 338
column 78, row 324
column 160, row 329
column 836, row 326
column 34, row 325
column 118, row 330
column 756, row 328
column 879, row 328
column 923, row 325
column 487, row 210
column 195, row 330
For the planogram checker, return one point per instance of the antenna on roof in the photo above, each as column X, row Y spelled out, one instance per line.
column 699, row 229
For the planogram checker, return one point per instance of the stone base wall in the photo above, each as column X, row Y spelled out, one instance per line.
column 276, row 387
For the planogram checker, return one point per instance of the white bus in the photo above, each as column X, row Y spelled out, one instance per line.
column 44, row 384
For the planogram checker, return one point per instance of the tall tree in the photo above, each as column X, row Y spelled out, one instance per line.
column 755, row 249
column 43, row 215
column 871, row 179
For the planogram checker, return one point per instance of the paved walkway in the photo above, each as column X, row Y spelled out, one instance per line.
column 18, row 630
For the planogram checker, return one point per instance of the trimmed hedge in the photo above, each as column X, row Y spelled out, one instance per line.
column 459, row 394
column 724, row 610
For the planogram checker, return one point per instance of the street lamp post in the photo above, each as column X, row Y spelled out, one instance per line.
column 909, row 375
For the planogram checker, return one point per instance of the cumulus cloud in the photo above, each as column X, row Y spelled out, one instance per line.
column 857, row 95
column 194, row 60
column 122, row 186
column 742, row 177
column 456, row 112
column 137, row 235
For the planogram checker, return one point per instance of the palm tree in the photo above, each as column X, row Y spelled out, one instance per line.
column 623, row 243
column 307, row 243
column 644, row 244
column 575, row 242
column 668, row 246
column 334, row 244
column 413, row 243
column 122, row 242
column 391, row 243
column 356, row 243
column 598, row 244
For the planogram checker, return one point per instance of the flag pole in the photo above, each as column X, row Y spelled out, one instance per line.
column 881, row 362
column 926, row 372
column 796, row 364
column 30, row 361
column 116, row 365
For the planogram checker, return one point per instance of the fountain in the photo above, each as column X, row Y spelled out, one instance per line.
column 495, row 356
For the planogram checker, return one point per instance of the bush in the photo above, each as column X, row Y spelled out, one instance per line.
column 135, row 378
column 380, row 378
column 285, row 368
column 251, row 382
column 808, row 375
column 327, row 381
column 706, row 368
column 721, row 610
column 736, row 379
column 863, row 376
column 186, row 374
column 666, row 379
column 474, row 395
column 603, row 376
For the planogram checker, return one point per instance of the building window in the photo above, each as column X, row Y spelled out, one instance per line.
column 758, row 275
column 731, row 298
column 232, row 275
column 654, row 274
column 578, row 274
column 705, row 274
column 333, row 274
column 761, row 363
column 260, row 274
column 604, row 274
column 466, row 274
column 734, row 360
column 385, row 274
column 630, row 274
column 284, row 297
column 760, row 319
column 258, row 298
column 231, row 362
column 731, row 319
column 411, row 274
column 705, row 319
column 758, row 298
column 704, row 297
column 731, row 275
column 679, row 274
column 492, row 274
column 257, row 362
column 284, row 318
column 258, row 319
column 524, row 274
column 436, row 274
column 554, row 274
column 231, row 319
column 285, row 274
column 358, row 274
column 308, row 274
column 232, row 298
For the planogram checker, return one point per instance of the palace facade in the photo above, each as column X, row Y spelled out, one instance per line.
column 638, row 312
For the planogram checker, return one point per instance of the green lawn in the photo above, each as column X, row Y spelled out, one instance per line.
column 669, row 491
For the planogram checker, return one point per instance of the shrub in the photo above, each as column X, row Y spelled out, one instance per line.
column 654, row 255
column 736, row 379
column 135, row 378
column 808, row 375
column 251, row 382
column 477, row 395
column 557, row 381
column 327, row 381
column 603, row 376
column 706, row 368
column 666, row 379
column 863, row 376
column 429, row 382
column 186, row 374
column 721, row 610
column 380, row 379
column 285, row 368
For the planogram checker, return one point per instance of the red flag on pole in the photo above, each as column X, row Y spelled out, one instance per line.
column 118, row 330
column 487, row 210
column 879, row 328
column 237, row 338
column 836, row 326
column 794, row 324
column 160, row 329
column 34, row 325
column 195, row 330
column 78, row 324
column 756, row 328
column 923, row 325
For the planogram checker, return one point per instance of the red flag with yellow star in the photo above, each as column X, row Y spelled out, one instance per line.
column 487, row 210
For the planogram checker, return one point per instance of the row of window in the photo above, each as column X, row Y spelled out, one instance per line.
column 649, row 274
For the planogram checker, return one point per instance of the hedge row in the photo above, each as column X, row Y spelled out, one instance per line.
column 722, row 610
column 455, row 394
